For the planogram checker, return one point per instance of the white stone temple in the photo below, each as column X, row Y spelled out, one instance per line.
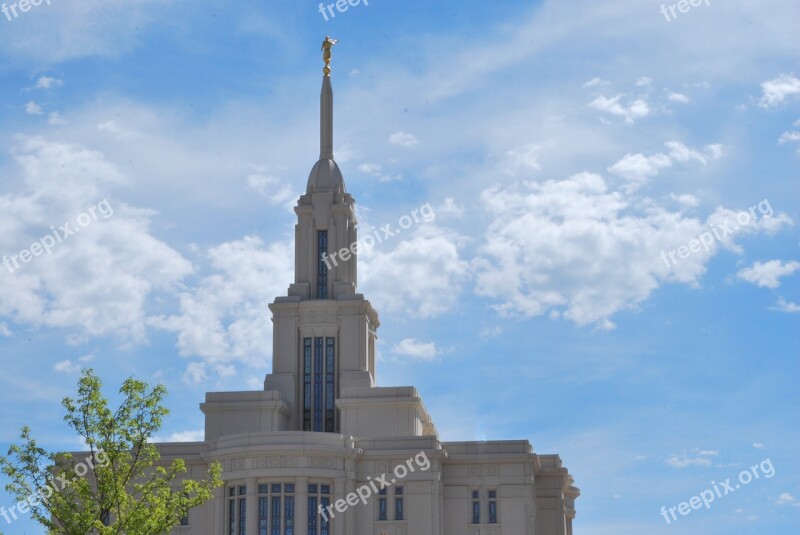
column 323, row 450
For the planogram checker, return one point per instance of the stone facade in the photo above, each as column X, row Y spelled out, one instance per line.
column 310, row 453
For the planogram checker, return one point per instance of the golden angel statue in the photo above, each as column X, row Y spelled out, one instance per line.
column 327, row 44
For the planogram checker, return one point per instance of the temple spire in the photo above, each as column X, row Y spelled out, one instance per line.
column 326, row 104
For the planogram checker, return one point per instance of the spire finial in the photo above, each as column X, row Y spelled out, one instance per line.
column 327, row 44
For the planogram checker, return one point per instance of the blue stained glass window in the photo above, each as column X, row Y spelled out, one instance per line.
column 318, row 384
column 313, row 514
column 474, row 494
column 322, row 268
column 324, row 524
column 398, row 491
column 312, row 489
column 263, row 510
column 325, row 489
column 382, row 509
column 398, row 508
column 306, row 384
column 242, row 516
column 493, row 512
column 289, row 487
column 492, row 494
column 476, row 512
column 231, row 517
column 276, row 487
column 263, row 489
column 276, row 513
column 288, row 528
column 330, row 364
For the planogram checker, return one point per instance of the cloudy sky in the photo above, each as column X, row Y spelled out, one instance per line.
column 612, row 273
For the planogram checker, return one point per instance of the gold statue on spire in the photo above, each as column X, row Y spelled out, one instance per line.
column 327, row 44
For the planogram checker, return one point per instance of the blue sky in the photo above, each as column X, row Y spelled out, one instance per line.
column 563, row 147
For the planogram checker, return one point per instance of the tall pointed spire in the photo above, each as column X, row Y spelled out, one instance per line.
column 326, row 176
column 326, row 120
column 326, row 104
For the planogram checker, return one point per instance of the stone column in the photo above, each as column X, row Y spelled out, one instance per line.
column 339, row 522
column 301, row 506
column 252, row 505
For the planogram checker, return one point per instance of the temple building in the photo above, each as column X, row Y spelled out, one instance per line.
column 323, row 450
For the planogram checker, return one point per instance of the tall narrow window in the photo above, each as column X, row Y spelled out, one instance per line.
column 318, row 384
column 307, row 384
column 318, row 496
column 288, row 528
column 242, row 510
column 398, row 503
column 322, row 268
column 493, row 507
column 476, row 507
column 263, row 510
column 382, row 513
column 232, row 511
column 325, row 500
column 275, row 519
column 330, row 362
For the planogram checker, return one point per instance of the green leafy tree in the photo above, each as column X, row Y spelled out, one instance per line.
column 119, row 486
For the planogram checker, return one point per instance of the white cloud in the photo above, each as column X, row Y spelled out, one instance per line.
column 430, row 258
column 633, row 111
column 698, row 458
column 786, row 498
column 788, row 137
column 522, row 159
column 56, row 118
column 786, row 306
column 222, row 318
column 46, row 82
column 449, row 207
column 685, row 199
column 490, row 332
column 638, row 168
column 4, row 330
column 121, row 133
column 195, row 373
column 594, row 82
column 411, row 347
column 32, row 108
column 376, row 170
column 644, row 81
column 66, row 367
column 273, row 189
column 403, row 139
column 677, row 97
column 774, row 92
column 548, row 243
column 758, row 445
column 93, row 283
column 768, row 274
